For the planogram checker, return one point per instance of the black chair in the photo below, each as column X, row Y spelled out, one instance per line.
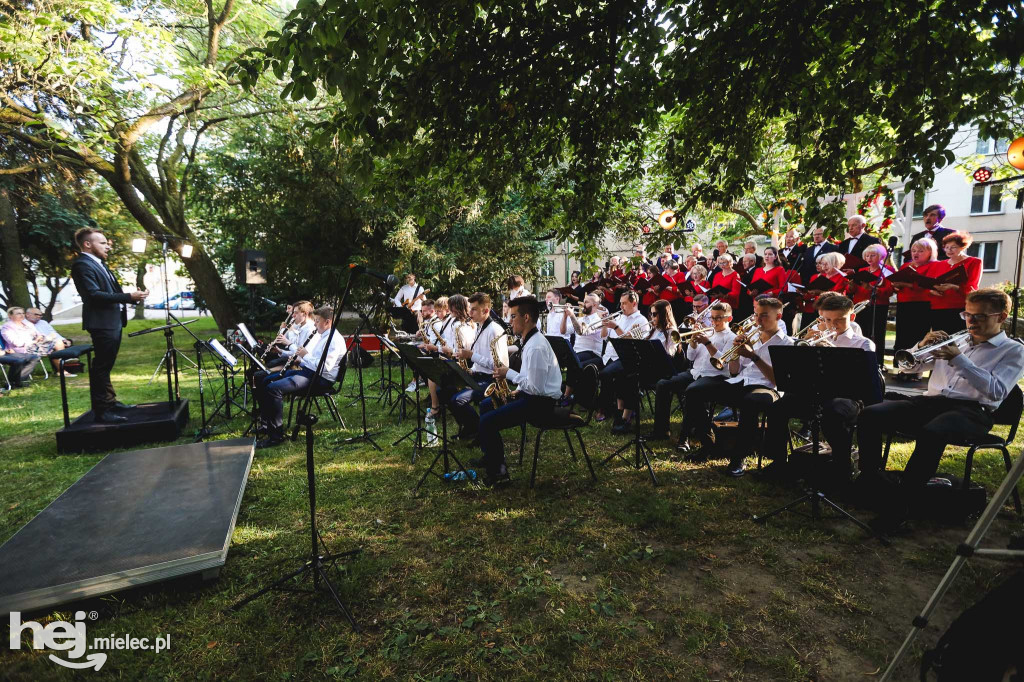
column 586, row 397
column 327, row 393
column 1007, row 414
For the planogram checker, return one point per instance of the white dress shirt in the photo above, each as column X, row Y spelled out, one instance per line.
column 853, row 243
column 517, row 293
column 555, row 325
column 299, row 336
column 481, row 347
column 750, row 374
column 591, row 342
column 334, row 355
column 985, row 372
column 700, row 357
column 665, row 339
column 539, row 374
column 626, row 322
column 441, row 324
column 407, row 293
column 46, row 329
column 852, row 338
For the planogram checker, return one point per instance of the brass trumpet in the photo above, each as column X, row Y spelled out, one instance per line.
column 677, row 336
column 824, row 339
column 699, row 319
column 909, row 360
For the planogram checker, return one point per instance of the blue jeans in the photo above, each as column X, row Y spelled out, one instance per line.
column 270, row 393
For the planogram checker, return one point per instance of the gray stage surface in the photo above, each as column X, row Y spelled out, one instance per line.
column 136, row 517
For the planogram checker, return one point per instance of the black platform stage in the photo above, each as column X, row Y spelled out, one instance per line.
column 135, row 518
column 147, row 423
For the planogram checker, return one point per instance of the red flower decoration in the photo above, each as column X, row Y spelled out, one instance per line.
column 887, row 203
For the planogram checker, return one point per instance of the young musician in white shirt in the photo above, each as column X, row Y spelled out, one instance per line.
column 270, row 394
column 700, row 348
column 613, row 371
column 751, row 389
column 839, row 415
column 661, row 324
column 553, row 325
column 411, row 291
column 295, row 336
column 588, row 342
column 477, row 350
column 967, row 384
column 538, row 385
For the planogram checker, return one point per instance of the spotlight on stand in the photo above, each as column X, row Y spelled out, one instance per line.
column 186, row 250
column 983, row 174
column 139, row 245
column 667, row 219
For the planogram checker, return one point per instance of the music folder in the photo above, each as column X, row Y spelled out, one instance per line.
column 758, row 287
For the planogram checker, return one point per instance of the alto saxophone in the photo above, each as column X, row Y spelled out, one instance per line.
column 437, row 334
column 498, row 391
column 459, row 347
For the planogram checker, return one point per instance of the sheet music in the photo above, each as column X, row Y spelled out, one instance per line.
column 223, row 352
column 248, row 337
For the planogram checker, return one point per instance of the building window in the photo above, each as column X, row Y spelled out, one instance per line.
column 548, row 269
column 988, row 252
column 987, row 145
column 985, row 199
column 983, row 145
column 918, row 201
column 549, row 246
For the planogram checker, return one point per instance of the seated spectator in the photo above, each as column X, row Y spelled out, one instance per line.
column 52, row 341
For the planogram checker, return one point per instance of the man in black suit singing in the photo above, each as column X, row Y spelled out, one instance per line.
column 859, row 239
column 104, row 314
column 933, row 217
column 819, row 246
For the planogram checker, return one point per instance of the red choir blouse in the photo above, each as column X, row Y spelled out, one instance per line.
column 882, row 294
column 776, row 277
column 732, row 283
column 916, row 294
column 956, row 299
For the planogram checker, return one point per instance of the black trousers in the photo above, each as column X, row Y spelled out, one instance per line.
column 106, row 343
column 751, row 401
column 611, row 375
column 933, row 420
column 838, row 418
column 664, row 392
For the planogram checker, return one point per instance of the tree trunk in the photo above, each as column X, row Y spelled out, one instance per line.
column 55, row 285
column 13, row 262
column 140, row 285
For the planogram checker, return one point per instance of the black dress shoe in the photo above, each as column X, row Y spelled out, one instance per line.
column 501, row 480
column 269, row 442
column 109, row 418
column 121, row 406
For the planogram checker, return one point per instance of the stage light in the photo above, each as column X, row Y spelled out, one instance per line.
column 983, row 174
column 139, row 245
column 1015, row 153
column 186, row 250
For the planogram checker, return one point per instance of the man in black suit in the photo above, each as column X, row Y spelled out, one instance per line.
column 859, row 239
column 103, row 315
column 933, row 217
column 792, row 250
column 819, row 246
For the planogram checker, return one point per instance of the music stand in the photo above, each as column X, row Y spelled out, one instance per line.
column 563, row 352
column 815, row 374
column 409, row 352
column 638, row 358
column 447, row 375
column 361, row 398
column 386, row 343
column 254, row 364
column 406, row 318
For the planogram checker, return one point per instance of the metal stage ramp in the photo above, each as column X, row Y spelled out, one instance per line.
column 135, row 518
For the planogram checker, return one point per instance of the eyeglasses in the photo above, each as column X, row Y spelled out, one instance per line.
column 718, row 317
column 980, row 317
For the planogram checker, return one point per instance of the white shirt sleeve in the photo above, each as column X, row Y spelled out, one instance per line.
column 994, row 384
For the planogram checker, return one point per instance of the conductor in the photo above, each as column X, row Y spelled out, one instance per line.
column 104, row 314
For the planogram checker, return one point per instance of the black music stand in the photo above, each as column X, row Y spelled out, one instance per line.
column 406, row 318
column 640, row 359
column 254, row 365
column 409, row 353
column 403, row 398
column 816, row 374
column 567, row 357
column 447, row 375
column 361, row 398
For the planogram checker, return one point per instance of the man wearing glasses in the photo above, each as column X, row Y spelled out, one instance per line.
column 967, row 384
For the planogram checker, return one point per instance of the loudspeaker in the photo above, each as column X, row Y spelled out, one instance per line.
column 250, row 267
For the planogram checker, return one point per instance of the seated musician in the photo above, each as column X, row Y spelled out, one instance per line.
column 700, row 348
column 839, row 415
column 538, row 386
column 516, row 287
column 588, row 342
column 968, row 382
column 295, row 336
column 613, row 371
column 478, row 350
column 662, row 323
column 555, row 317
column 751, row 388
column 269, row 394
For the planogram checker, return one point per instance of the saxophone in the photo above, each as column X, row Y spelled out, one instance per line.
column 498, row 391
column 437, row 334
column 459, row 346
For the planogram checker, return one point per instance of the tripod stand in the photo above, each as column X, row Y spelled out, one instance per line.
column 403, row 398
column 447, row 375
column 635, row 355
column 319, row 558
column 409, row 353
column 807, row 373
column 170, row 357
column 964, row 551
column 366, row 435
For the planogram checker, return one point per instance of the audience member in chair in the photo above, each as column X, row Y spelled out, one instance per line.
column 52, row 341
column 700, row 348
column 270, row 393
column 751, row 388
column 538, row 386
column 966, row 386
column 21, row 365
column 839, row 415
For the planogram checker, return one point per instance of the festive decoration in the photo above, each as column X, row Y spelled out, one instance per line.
column 1015, row 153
column 983, row 174
column 667, row 219
column 795, row 208
column 870, row 201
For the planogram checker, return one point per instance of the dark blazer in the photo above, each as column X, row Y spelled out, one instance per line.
column 938, row 234
column 101, row 297
column 863, row 242
column 807, row 265
column 792, row 255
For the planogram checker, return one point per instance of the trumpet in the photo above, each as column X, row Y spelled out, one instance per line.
column 677, row 336
column 733, row 353
column 588, row 328
column 638, row 331
column 824, row 339
column 700, row 319
column 908, row 360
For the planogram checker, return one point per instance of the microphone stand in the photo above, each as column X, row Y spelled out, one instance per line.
column 366, row 435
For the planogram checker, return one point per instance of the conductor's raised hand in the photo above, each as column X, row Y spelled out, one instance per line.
column 139, row 295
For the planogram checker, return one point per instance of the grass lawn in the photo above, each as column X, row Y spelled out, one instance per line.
column 613, row 580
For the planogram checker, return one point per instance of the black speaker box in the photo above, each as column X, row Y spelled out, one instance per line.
column 250, row 266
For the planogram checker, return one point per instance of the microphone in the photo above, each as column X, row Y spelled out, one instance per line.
column 389, row 279
column 893, row 241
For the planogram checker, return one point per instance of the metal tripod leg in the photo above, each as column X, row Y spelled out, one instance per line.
column 964, row 551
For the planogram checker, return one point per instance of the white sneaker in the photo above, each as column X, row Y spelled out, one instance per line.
column 411, row 388
column 69, row 375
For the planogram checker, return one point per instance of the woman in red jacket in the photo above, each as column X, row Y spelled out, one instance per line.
column 771, row 272
column 951, row 298
column 913, row 304
column 829, row 265
column 728, row 279
column 876, row 315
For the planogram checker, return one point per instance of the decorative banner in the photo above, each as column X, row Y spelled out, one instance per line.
column 870, row 201
column 795, row 208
